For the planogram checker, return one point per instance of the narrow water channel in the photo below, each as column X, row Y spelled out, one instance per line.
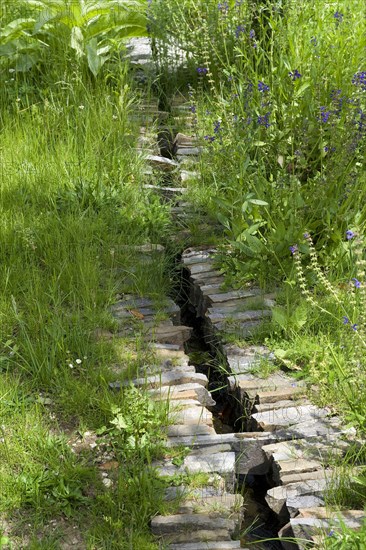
column 260, row 524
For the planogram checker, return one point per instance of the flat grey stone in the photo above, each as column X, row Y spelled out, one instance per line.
column 201, row 535
column 204, row 276
column 238, row 365
column 222, row 463
column 168, row 365
column 270, row 405
column 225, row 504
column 306, row 476
column 205, row 289
column 202, row 267
column 192, row 415
column 191, row 430
column 167, row 525
column 184, row 391
column 277, row 496
column 203, row 441
column 240, row 316
column 226, row 308
column 255, row 351
column 188, row 151
column 139, row 50
column 293, row 504
column 170, row 347
column 352, row 518
column 229, row 545
column 241, row 329
column 233, row 295
column 291, row 416
column 304, row 449
column 162, row 162
column 166, row 379
column 250, row 384
column 177, row 334
column 313, row 429
column 182, row 140
column 202, row 452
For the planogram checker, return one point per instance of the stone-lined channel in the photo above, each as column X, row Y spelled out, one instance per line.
column 269, row 437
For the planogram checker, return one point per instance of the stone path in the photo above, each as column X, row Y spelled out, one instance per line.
column 294, row 440
column 208, row 517
column 285, row 437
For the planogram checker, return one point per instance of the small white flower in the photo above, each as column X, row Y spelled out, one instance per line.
column 78, row 361
column 81, row 107
column 71, row 365
column 11, row 70
column 114, row 117
column 17, row 99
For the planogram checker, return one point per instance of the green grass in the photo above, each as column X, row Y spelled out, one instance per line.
column 73, row 207
column 282, row 156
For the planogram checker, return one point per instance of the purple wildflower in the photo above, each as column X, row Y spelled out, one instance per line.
column 314, row 40
column 223, row 7
column 217, row 126
column 264, row 120
column 192, row 109
column 252, row 34
column 294, row 249
column 338, row 16
column 295, row 74
column 345, row 320
column 324, row 115
column 210, row 139
column 239, row 30
column 349, row 234
column 262, row 87
column 356, row 282
column 202, row 70
column 359, row 79
column 354, row 327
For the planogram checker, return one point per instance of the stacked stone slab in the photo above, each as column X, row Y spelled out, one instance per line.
column 304, row 436
column 209, row 517
column 286, row 437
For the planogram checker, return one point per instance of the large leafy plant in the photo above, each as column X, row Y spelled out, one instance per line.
column 91, row 30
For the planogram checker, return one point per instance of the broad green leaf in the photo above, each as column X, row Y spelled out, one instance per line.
column 95, row 61
column 44, row 17
column 119, row 422
column 77, row 41
column 242, row 247
column 223, row 220
column 15, row 29
column 299, row 317
column 280, row 317
column 259, row 143
column 254, row 243
column 26, row 62
column 258, row 202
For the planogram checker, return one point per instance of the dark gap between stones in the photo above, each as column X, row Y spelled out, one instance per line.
column 259, row 521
